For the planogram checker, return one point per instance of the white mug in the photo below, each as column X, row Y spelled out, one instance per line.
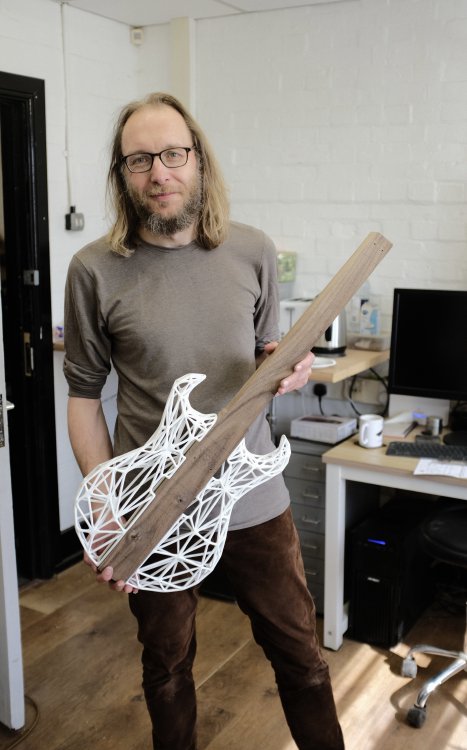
column 370, row 431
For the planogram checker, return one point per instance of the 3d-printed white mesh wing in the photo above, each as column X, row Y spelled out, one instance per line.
column 114, row 495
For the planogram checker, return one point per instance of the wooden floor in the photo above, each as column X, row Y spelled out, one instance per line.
column 82, row 679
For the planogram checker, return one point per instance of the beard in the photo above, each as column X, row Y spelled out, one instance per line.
column 167, row 226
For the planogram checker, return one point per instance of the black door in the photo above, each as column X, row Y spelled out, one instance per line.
column 27, row 325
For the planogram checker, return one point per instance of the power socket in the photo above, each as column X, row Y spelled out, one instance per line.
column 74, row 221
column 320, row 390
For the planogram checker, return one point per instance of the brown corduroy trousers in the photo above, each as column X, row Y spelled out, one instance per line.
column 265, row 568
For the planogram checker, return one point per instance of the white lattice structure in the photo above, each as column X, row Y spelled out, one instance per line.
column 114, row 495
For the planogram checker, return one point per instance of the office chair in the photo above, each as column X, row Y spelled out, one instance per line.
column 444, row 537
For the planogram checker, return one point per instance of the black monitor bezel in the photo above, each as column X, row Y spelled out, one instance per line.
column 397, row 388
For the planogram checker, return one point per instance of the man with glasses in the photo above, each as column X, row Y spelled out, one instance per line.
column 176, row 287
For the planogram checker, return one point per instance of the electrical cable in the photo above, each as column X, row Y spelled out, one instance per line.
column 320, row 390
column 66, row 104
column 25, row 733
column 384, row 382
column 349, row 397
column 320, row 404
column 352, row 385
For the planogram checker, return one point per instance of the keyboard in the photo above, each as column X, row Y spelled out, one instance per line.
column 427, row 449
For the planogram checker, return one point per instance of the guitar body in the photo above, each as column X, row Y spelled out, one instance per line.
column 116, row 493
column 159, row 515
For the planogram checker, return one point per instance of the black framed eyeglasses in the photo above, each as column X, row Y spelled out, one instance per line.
column 170, row 157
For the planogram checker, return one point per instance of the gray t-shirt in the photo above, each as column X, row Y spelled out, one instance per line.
column 165, row 312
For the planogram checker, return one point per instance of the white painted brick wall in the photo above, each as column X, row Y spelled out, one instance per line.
column 336, row 120
column 330, row 122
column 104, row 71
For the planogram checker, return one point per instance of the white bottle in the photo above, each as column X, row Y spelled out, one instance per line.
column 369, row 319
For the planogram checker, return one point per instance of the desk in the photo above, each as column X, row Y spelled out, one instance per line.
column 345, row 462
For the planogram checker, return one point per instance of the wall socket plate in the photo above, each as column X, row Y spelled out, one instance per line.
column 74, row 221
column 367, row 391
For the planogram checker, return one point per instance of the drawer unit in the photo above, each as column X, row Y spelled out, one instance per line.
column 306, row 466
column 314, row 569
column 309, row 493
column 305, row 474
column 312, row 543
column 305, row 479
column 308, row 517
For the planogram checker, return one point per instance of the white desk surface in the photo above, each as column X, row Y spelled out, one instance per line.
column 348, row 461
column 394, row 468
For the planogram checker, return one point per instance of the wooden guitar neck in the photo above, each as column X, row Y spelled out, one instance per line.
column 203, row 459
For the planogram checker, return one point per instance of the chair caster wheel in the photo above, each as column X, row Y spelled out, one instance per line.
column 416, row 716
column 409, row 667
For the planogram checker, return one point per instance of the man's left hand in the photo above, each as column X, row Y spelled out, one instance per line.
column 298, row 377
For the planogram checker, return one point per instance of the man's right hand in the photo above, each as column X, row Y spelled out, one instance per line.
column 106, row 577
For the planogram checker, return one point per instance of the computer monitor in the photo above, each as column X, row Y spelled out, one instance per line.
column 428, row 356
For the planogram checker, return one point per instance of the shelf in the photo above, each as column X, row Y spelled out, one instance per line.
column 352, row 363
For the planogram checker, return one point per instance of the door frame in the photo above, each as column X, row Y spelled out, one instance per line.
column 32, row 425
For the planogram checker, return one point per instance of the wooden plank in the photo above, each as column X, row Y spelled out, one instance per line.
column 61, row 589
column 203, row 459
column 240, row 706
column 222, row 630
column 87, row 690
column 61, row 626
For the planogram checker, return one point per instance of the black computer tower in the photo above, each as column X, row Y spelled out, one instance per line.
column 390, row 575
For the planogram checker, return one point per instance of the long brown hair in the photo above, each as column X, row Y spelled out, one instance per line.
column 214, row 216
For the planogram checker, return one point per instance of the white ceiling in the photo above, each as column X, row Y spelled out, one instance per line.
column 153, row 12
